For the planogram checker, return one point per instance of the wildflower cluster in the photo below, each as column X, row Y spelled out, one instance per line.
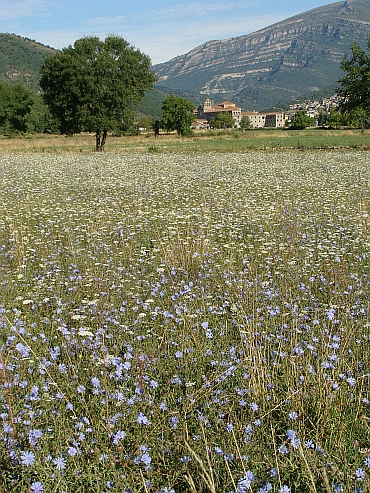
column 175, row 323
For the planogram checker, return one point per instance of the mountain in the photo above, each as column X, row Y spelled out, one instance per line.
column 296, row 56
column 21, row 60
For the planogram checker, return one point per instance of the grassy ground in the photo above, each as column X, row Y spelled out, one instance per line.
column 185, row 322
column 209, row 141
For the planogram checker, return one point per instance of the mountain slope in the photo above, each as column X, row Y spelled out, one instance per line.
column 292, row 57
column 21, row 60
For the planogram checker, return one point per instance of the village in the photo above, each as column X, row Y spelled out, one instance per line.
column 279, row 119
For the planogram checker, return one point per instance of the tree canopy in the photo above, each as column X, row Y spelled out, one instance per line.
column 222, row 120
column 245, row 123
column 355, row 85
column 15, row 108
column 177, row 114
column 301, row 120
column 92, row 85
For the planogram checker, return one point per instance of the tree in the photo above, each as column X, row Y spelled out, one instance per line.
column 301, row 120
column 177, row 114
column 355, row 85
column 222, row 120
column 146, row 122
column 15, row 108
column 92, row 85
column 321, row 117
column 335, row 119
column 245, row 123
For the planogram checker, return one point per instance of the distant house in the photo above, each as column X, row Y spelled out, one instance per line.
column 257, row 120
column 261, row 120
column 207, row 111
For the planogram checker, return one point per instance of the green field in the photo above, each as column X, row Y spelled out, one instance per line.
column 201, row 141
column 188, row 322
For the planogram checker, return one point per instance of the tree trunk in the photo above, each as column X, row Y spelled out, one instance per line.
column 100, row 142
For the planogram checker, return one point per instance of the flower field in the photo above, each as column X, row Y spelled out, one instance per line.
column 188, row 323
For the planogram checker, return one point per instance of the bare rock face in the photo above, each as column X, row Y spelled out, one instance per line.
column 287, row 59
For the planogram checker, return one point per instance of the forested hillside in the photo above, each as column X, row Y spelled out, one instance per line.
column 21, row 60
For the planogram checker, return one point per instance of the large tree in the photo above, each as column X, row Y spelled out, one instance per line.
column 177, row 114
column 222, row 120
column 355, row 85
column 301, row 120
column 92, row 85
column 15, row 108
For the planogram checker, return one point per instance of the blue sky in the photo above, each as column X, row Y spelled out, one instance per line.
column 162, row 29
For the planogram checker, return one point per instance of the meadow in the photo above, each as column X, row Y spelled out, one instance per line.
column 220, row 141
column 185, row 322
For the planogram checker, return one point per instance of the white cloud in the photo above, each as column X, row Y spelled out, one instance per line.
column 24, row 8
column 104, row 21
column 200, row 9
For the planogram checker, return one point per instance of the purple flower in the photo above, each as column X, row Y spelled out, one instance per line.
column 283, row 449
column 163, row 406
column 330, row 314
column 60, row 463
column 37, row 487
column 209, row 334
column 245, row 483
column 72, row 451
column 266, row 488
column 360, row 474
column 337, row 488
column 146, row 459
column 142, row 419
column 229, row 427
column 95, row 382
column 24, row 350
column 284, row 489
column 27, row 458
column 81, row 389
column 33, row 436
column 120, row 435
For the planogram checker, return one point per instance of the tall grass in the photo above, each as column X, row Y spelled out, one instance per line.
column 185, row 322
column 201, row 141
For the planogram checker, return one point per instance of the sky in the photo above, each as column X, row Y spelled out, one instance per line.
column 162, row 29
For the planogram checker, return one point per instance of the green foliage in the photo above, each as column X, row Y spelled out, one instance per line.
column 321, row 119
column 146, row 122
column 151, row 105
column 21, row 60
column 92, row 85
column 301, row 120
column 355, row 85
column 222, row 120
column 245, row 123
column 15, row 107
column 177, row 114
column 335, row 119
column 358, row 118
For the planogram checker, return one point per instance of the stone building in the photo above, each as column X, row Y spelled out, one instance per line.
column 207, row 111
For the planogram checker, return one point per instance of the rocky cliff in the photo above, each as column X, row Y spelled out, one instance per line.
column 292, row 57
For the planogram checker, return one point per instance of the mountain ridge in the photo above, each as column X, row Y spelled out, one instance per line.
column 298, row 55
